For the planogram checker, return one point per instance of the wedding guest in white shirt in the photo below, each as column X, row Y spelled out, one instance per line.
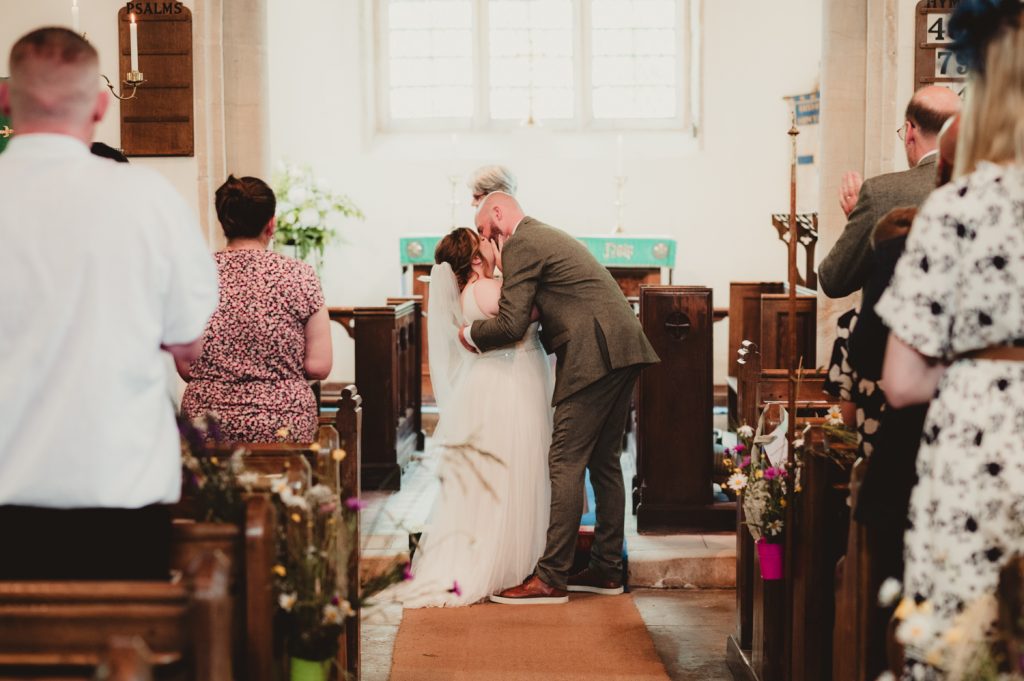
column 102, row 266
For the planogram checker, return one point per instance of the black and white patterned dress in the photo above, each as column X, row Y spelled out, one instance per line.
column 959, row 287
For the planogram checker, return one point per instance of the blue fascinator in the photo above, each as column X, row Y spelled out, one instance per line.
column 975, row 23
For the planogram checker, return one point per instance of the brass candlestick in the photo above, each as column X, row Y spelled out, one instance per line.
column 620, row 202
column 132, row 79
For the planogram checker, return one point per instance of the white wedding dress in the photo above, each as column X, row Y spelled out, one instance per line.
column 489, row 524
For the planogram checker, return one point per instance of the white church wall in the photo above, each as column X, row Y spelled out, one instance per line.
column 98, row 20
column 715, row 197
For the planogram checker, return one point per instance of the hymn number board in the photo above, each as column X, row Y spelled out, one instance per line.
column 934, row 62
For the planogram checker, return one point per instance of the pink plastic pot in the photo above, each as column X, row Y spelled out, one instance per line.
column 770, row 556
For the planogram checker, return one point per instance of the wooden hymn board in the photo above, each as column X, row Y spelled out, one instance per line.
column 934, row 61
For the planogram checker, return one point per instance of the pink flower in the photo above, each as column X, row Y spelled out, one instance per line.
column 770, row 473
column 407, row 572
column 745, row 462
column 456, row 589
column 740, row 448
column 355, row 504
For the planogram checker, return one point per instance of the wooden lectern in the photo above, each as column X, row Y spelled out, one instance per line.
column 675, row 448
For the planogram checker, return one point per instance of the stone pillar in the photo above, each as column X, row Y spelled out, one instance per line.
column 843, row 86
column 246, row 88
column 860, row 112
column 207, row 39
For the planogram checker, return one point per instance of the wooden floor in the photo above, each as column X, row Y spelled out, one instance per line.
column 688, row 627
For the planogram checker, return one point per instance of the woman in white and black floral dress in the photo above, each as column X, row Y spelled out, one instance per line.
column 959, row 289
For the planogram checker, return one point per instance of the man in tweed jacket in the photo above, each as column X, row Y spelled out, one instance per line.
column 847, row 266
column 600, row 348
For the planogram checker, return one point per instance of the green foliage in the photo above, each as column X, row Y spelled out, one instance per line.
column 308, row 210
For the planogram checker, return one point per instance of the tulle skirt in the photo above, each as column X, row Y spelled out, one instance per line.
column 489, row 523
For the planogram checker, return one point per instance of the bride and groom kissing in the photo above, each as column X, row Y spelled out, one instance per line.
column 512, row 469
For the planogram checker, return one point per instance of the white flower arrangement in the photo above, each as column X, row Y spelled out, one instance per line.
column 308, row 210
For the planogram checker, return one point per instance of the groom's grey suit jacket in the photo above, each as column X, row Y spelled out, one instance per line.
column 585, row 320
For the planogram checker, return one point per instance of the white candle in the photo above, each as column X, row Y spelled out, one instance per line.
column 455, row 144
column 618, row 156
column 74, row 17
column 134, row 39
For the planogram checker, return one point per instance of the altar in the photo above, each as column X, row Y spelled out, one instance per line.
column 632, row 260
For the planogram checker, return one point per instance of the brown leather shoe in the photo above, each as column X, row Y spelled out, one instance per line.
column 586, row 580
column 532, row 592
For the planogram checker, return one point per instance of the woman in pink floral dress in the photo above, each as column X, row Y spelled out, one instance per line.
column 269, row 335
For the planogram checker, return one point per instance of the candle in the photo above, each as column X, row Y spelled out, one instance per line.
column 134, row 39
column 618, row 156
column 74, row 16
column 455, row 144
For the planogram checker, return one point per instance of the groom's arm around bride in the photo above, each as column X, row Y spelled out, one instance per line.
column 600, row 346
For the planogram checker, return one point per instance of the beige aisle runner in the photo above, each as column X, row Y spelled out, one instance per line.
column 593, row 638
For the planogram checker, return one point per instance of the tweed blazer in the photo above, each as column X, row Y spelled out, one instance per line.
column 847, row 266
column 585, row 320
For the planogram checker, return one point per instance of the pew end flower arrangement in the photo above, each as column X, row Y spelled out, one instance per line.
column 763, row 490
column 316, row 536
column 215, row 486
column 308, row 211
column 984, row 642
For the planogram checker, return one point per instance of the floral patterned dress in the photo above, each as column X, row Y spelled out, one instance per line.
column 251, row 373
column 958, row 287
column 846, row 384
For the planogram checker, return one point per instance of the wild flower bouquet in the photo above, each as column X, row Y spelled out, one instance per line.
column 308, row 210
column 762, row 487
column 983, row 642
column 308, row 585
column 316, row 535
column 216, row 485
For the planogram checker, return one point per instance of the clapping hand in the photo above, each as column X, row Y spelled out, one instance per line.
column 849, row 190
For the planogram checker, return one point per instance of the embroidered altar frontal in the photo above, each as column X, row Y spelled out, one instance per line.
column 610, row 251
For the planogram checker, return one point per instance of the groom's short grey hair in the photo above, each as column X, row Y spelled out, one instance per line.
column 494, row 178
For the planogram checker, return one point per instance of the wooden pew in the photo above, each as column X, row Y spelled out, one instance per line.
column 745, row 314
column 775, row 325
column 349, row 424
column 263, row 652
column 819, row 520
column 758, row 386
column 389, row 358
column 757, row 312
column 759, row 647
column 62, row 629
column 675, row 445
column 850, row 636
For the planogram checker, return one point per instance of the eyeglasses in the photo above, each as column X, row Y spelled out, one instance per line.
column 902, row 131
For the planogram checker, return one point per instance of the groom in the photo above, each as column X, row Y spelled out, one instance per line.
column 592, row 331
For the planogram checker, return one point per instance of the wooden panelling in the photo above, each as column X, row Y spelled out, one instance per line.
column 159, row 121
column 675, row 448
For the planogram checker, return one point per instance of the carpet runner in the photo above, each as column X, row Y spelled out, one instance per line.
column 592, row 638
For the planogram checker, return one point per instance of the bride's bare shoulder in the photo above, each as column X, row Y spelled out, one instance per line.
column 487, row 293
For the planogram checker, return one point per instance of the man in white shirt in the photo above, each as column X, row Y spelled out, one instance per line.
column 101, row 265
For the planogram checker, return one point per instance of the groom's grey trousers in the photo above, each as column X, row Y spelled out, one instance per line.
column 588, row 427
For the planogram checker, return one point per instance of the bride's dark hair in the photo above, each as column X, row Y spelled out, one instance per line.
column 458, row 248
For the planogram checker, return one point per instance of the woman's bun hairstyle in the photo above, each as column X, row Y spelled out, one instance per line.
column 244, row 207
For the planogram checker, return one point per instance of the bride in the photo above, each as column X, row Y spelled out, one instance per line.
column 489, row 523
